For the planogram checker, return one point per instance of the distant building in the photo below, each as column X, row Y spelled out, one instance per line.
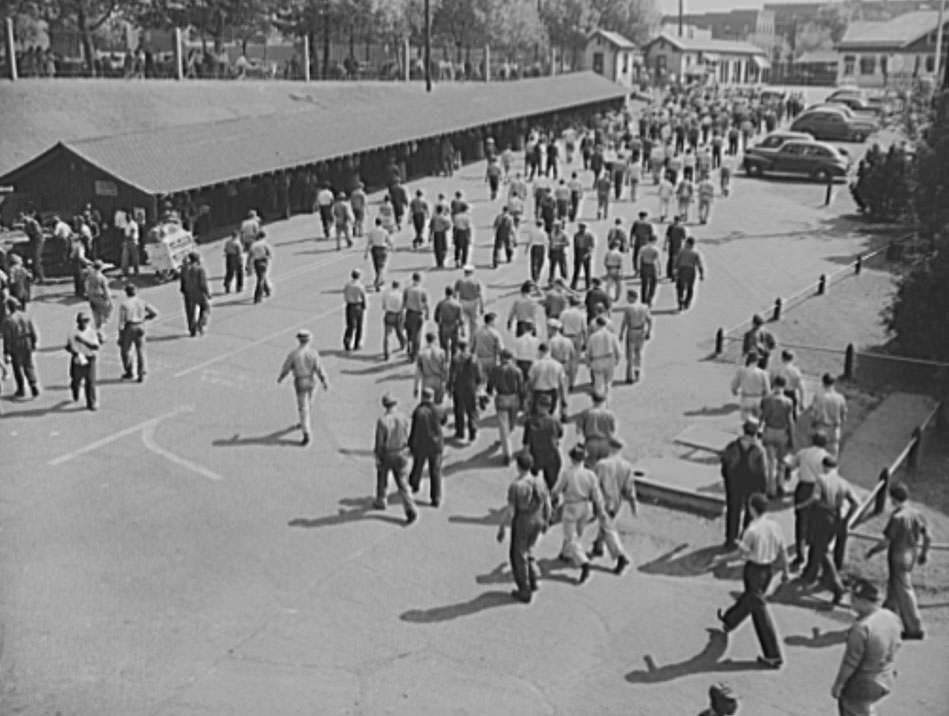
column 724, row 62
column 754, row 26
column 613, row 56
column 873, row 54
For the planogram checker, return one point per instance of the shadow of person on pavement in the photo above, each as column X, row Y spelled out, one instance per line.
column 486, row 600
column 489, row 520
column 362, row 510
column 37, row 412
column 679, row 563
column 483, row 458
column 275, row 439
column 706, row 661
column 499, row 575
column 550, row 570
column 817, row 639
column 709, row 412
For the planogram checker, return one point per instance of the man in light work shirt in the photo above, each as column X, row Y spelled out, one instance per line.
column 133, row 312
column 603, row 354
column 750, row 385
column 391, row 446
column 777, row 421
column 415, row 299
column 617, row 484
column 523, row 314
column 574, row 324
column 596, row 426
column 793, row 380
column 393, row 305
column 829, row 413
column 354, row 295
column 431, row 369
column 563, row 351
column 378, row 245
column 579, row 491
column 305, row 364
column 487, row 345
column 809, row 465
column 471, row 295
column 867, row 672
column 547, row 377
column 634, row 331
column 649, row 263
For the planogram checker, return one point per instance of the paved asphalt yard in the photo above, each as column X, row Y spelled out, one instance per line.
column 178, row 553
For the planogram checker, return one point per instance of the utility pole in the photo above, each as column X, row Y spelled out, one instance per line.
column 428, row 47
column 681, row 18
column 10, row 41
column 936, row 65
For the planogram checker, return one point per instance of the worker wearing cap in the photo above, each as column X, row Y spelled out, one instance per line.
column 427, row 445
column 743, row 467
column 557, row 243
column 750, row 385
column 564, row 352
column 542, row 434
column 470, row 292
column 195, row 292
column 487, row 344
column 506, row 383
column 393, row 308
column 867, row 670
column 343, row 219
column 133, row 313
column 415, row 300
column 449, row 317
column 547, row 376
column 596, row 426
column 634, row 331
column 618, row 484
column 378, row 245
column 305, row 364
column 354, row 296
column 19, row 342
column 100, row 298
column 613, row 263
column 83, row 346
column 578, row 490
column 603, row 355
column 431, row 368
column 583, row 246
column 464, row 380
column 461, row 235
column 391, row 445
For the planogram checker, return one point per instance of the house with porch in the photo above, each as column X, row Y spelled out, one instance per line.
column 699, row 58
column 614, row 56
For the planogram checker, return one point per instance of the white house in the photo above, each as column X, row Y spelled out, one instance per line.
column 700, row 59
column 872, row 54
column 613, row 56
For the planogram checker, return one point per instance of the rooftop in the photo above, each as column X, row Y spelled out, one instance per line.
column 614, row 38
column 730, row 47
column 898, row 32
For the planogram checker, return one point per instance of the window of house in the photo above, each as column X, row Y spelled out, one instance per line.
column 884, row 64
column 868, row 64
column 736, row 72
column 625, row 62
column 849, row 62
column 598, row 65
column 930, row 63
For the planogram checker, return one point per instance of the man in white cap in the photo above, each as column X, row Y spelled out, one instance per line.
column 391, row 446
column 305, row 364
column 470, row 293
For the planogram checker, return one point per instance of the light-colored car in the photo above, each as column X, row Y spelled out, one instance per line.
column 804, row 157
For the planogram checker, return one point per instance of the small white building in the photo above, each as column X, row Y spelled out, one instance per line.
column 872, row 54
column 613, row 56
column 699, row 59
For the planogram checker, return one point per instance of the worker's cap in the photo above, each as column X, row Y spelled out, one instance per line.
column 388, row 400
column 578, row 452
column 251, row 214
column 304, row 335
column 865, row 590
column 598, row 397
column 428, row 394
column 468, row 268
column 554, row 323
column 194, row 255
column 829, row 461
column 616, row 443
column 98, row 263
column 13, row 304
column 581, row 225
column 82, row 316
column 750, row 426
column 506, row 354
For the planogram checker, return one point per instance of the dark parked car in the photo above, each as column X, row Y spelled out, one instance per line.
column 774, row 141
column 835, row 124
column 810, row 158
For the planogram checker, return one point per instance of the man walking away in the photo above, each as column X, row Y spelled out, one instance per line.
column 506, row 383
column 194, row 291
column 261, row 256
column 420, row 213
column 415, row 300
column 431, row 369
column 393, row 305
column 648, row 269
column 867, row 670
column 528, row 511
column 675, row 238
column 19, row 342
column 634, row 331
column 440, row 226
column 743, row 470
column 542, row 434
column 464, row 378
column 829, row 413
column 233, row 263
column 761, row 545
column 906, row 541
column 133, row 313
column 354, row 295
column 809, row 465
column 579, row 491
column 779, row 428
column 750, row 385
column 583, row 247
column 617, row 484
column 427, row 445
column 391, row 443
column 688, row 265
column 378, row 245
column 305, row 364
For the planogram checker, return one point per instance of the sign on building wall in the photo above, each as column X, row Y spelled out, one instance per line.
column 106, row 188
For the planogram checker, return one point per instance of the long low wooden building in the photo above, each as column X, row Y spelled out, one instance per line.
column 275, row 162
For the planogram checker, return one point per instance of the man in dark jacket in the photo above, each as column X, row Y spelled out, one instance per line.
column 464, row 377
column 19, row 342
column 542, row 434
column 194, row 291
column 427, row 444
column 744, row 469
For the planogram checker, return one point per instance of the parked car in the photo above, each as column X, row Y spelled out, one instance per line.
column 835, row 123
column 858, row 105
column 846, row 92
column 773, row 142
column 805, row 157
column 774, row 95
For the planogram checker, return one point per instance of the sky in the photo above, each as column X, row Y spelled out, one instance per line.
column 671, row 7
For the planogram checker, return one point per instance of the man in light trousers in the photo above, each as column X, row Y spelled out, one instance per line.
column 305, row 364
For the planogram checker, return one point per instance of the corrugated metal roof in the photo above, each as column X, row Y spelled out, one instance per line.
column 194, row 155
column 817, row 56
column 898, row 32
column 615, row 38
column 728, row 47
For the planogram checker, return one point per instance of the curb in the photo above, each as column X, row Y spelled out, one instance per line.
column 679, row 498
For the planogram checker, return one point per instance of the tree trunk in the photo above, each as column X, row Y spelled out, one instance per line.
column 326, row 46
column 86, row 38
column 352, row 40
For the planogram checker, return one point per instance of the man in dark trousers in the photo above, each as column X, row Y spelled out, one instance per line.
column 688, row 265
column 194, row 291
column 639, row 235
column 761, row 545
column 596, row 296
column 583, row 246
column 19, row 342
column 464, row 377
column 542, row 434
column 400, row 200
column 391, row 442
column 427, row 444
column 675, row 239
column 529, row 511
column 744, row 467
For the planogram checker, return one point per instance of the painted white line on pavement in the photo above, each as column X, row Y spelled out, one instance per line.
column 148, row 437
column 259, row 341
column 116, row 436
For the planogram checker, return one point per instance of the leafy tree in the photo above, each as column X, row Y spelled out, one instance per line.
column 217, row 19
column 568, row 23
column 82, row 16
column 460, row 23
column 512, row 25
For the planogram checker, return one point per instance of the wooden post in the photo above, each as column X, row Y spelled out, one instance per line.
column 179, row 56
column 719, row 341
column 487, row 62
column 776, row 316
column 858, row 265
column 10, row 40
column 915, row 452
column 407, row 51
column 822, row 285
column 880, row 503
column 306, row 58
column 849, row 356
